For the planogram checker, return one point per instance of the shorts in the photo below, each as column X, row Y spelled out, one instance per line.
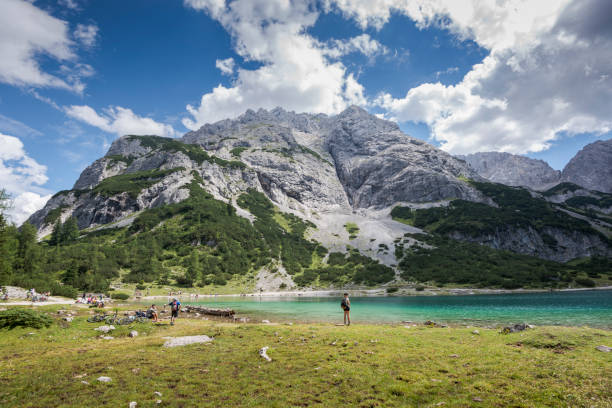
column 346, row 309
column 175, row 313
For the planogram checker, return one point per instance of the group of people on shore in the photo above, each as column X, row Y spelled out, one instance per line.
column 175, row 307
column 89, row 299
column 36, row 297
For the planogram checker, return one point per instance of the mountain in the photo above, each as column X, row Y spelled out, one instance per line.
column 591, row 167
column 289, row 199
column 513, row 170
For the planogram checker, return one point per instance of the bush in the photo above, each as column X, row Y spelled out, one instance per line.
column 64, row 290
column 589, row 283
column 420, row 288
column 392, row 290
column 120, row 296
column 23, row 318
column 141, row 286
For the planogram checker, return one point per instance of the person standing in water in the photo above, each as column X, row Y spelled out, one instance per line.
column 346, row 306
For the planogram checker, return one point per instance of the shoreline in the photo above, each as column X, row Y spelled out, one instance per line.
column 379, row 292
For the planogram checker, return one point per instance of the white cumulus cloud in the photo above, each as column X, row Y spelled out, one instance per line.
column 297, row 71
column 28, row 33
column 86, row 34
column 226, row 66
column 118, row 120
column 549, row 70
column 22, row 177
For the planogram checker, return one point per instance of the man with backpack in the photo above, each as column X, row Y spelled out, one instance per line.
column 175, row 306
column 346, row 306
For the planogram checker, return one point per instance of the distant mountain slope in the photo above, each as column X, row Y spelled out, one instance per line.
column 591, row 167
column 513, row 170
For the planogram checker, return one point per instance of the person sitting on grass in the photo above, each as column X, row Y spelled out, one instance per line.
column 175, row 306
column 346, row 306
column 152, row 314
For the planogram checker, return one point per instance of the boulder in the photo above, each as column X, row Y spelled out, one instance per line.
column 186, row 340
column 604, row 349
column 104, row 379
column 105, row 328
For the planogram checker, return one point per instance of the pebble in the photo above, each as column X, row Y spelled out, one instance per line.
column 604, row 349
column 104, row 379
column 133, row 333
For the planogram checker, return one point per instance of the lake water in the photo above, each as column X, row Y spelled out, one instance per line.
column 581, row 308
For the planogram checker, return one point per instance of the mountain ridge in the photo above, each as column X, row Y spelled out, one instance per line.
column 330, row 171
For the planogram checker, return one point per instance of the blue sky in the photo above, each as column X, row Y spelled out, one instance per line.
column 465, row 76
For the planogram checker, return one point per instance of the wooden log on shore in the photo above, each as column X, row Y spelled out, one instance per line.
column 210, row 311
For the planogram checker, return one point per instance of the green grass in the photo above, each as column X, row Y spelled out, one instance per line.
column 352, row 229
column 369, row 366
column 131, row 183
column 55, row 214
column 237, row 151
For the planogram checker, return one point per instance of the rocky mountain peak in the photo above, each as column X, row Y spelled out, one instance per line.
column 513, row 169
column 591, row 167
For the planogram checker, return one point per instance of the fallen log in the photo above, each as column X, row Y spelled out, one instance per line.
column 209, row 311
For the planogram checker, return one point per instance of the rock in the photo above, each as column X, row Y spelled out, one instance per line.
column 454, row 356
column 107, row 337
column 84, row 382
column 604, row 349
column 80, row 375
column 530, row 326
column 159, row 394
column 133, row 334
column 133, row 404
column 104, row 379
column 475, row 332
column 158, row 401
column 514, row 329
column 265, row 321
column 477, row 399
column 186, row 340
column 263, row 352
column 67, row 319
column 105, row 329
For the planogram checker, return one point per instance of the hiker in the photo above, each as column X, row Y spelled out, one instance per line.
column 152, row 314
column 346, row 306
column 175, row 306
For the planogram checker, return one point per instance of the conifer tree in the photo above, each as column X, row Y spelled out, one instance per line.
column 70, row 230
column 56, row 234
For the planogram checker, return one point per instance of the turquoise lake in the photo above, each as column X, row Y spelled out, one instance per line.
column 581, row 308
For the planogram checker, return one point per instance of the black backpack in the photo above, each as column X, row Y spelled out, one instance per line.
column 343, row 304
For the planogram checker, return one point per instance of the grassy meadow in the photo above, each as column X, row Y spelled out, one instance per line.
column 313, row 365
